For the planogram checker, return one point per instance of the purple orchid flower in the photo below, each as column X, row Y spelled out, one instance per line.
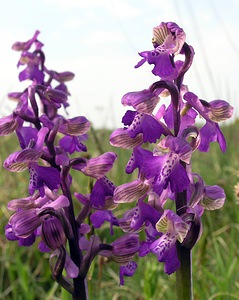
column 24, row 223
column 173, row 229
column 213, row 112
column 127, row 270
column 123, row 249
column 33, row 70
column 73, row 143
column 163, row 140
column 100, row 216
column 146, row 124
column 168, row 40
column 25, row 46
column 43, row 176
column 32, row 143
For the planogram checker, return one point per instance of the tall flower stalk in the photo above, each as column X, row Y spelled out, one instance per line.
column 165, row 174
column 50, row 146
column 163, row 138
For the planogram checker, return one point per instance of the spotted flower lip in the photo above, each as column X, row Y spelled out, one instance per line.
column 165, row 168
column 173, row 229
column 144, row 213
column 145, row 124
column 41, row 176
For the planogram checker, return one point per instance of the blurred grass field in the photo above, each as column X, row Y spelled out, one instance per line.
column 24, row 272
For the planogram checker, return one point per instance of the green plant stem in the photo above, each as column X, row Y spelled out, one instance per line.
column 184, row 274
column 80, row 284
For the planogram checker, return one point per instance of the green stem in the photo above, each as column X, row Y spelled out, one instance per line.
column 184, row 274
column 79, row 283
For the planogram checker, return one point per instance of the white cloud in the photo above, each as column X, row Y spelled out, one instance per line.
column 103, row 37
column 69, row 4
column 74, row 23
column 122, row 9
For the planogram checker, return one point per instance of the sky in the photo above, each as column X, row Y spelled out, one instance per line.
column 99, row 41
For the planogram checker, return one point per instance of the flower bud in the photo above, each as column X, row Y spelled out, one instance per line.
column 52, row 233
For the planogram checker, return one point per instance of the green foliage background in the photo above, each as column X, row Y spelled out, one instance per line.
column 24, row 272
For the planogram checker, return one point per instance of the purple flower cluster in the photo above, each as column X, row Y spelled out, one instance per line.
column 163, row 138
column 47, row 142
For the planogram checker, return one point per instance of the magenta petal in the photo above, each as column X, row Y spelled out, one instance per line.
column 26, row 242
column 172, row 262
column 211, row 132
column 178, row 179
column 162, row 65
column 43, row 176
column 43, row 247
column 71, row 144
column 129, row 117
column 148, row 125
column 137, row 159
column 165, row 249
column 127, row 270
column 152, row 166
column 143, row 213
column 99, row 217
column 103, row 189
column 72, row 270
column 31, row 72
